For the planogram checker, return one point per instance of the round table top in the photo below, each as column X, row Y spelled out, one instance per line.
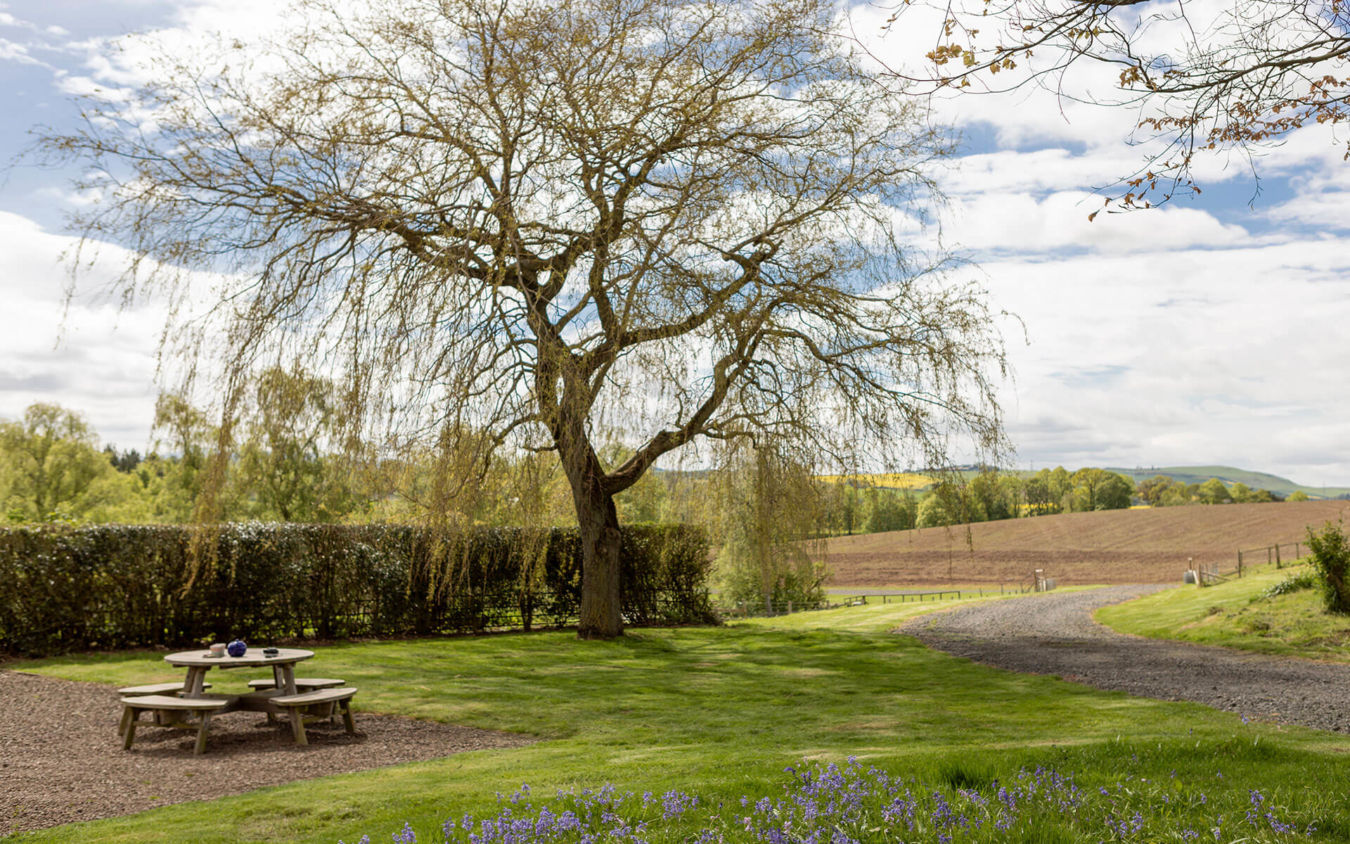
column 254, row 656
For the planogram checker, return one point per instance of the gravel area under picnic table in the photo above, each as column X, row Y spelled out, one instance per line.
column 61, row 759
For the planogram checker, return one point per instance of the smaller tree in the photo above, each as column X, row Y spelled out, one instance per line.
column 1012, row 492
column 1041, row 498
column 288, row 461
column 53, row 461
column 1330, row 550
column 988, row 497
column 1098, row 489
column 890, row 510
column 1179, row 494
column 1151, row 491
column 948, row 504
column 188, row 437
column 123, row 461
column 1213, row 491
column 768, row 556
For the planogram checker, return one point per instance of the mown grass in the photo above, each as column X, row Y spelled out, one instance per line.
column 721, row 712
column 1238, row 614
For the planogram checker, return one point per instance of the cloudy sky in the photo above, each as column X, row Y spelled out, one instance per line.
column 1211, row 331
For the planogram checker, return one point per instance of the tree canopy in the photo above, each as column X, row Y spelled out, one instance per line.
column 526, row 225
column 51, row 459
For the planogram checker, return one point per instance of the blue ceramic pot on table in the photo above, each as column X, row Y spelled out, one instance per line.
column 236, row 648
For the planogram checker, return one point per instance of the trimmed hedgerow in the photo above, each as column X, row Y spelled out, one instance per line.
column 119, row 586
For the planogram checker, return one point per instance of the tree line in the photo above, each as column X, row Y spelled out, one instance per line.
column 289, row 458
column 859, row 506
column 287, row 464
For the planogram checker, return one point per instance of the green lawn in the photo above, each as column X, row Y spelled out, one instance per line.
column 1237, row 615
column 721, row 712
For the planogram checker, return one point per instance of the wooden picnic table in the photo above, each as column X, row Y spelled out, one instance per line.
column 320, row 700
column 198, row 662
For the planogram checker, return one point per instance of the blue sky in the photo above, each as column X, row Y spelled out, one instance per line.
column 1211, row 331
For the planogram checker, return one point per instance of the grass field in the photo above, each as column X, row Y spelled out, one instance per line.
column 722, row 711
column 1237, row 615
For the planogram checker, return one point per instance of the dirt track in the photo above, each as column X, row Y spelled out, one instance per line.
column 1053, row 633
column 1118, row 546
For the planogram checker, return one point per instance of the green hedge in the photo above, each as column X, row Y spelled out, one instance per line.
column 119, row 586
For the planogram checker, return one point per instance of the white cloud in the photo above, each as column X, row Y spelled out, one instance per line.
column 90, row 354
column 1183, row 356
column 1023, row 224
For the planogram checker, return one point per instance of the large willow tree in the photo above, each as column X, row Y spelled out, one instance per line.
column 555, row 224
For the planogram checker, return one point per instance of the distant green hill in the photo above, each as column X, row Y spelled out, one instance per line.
column 1230, row 475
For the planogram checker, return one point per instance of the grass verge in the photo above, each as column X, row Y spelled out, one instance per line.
column 1239, row 614
column 722, row 712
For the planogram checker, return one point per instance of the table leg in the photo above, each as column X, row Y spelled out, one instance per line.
column 196, row 680
column 200, row 747
column 130, row 733
column 298, row 726
column 288, row 677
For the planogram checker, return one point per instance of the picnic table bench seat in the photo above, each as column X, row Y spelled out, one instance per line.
column 204, row 706
column 319, row 704
column 304, row 684
column 155, row 689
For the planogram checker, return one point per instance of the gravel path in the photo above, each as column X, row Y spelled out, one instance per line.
column 61, row 759
column 1054, row 634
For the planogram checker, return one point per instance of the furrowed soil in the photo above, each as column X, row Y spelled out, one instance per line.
column 1114, row 546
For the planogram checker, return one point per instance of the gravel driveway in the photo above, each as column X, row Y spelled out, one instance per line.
column 1054, row 633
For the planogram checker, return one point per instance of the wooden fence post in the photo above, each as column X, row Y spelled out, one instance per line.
column 1277, row 556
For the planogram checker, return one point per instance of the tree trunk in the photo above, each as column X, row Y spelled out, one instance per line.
column 597, row 518
column 599, row 523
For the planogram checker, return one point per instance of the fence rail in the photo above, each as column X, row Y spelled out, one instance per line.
column 1273, row 554
column 1280, row 554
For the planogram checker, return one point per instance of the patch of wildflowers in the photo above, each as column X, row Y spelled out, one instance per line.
column 851, row 804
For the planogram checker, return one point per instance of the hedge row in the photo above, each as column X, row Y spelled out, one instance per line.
column 120, row 586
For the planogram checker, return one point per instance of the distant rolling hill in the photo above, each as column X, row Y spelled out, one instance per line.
column 1230, row 475
column 1112, row 546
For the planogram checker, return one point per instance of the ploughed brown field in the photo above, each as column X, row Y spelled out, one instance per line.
column 1116, row 546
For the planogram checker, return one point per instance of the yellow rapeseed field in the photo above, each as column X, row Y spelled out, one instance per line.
column 891, row 480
